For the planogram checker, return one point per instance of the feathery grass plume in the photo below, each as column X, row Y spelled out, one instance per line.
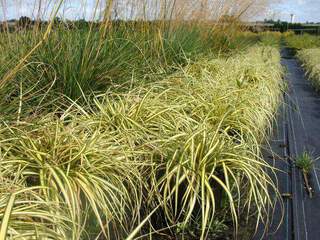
column 310, row 59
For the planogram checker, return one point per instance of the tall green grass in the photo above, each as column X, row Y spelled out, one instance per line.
column 77, row 62
column 170, row 155
column 311, row 62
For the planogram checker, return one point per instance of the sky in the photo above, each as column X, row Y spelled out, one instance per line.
column 304, row 10
column 72, row 9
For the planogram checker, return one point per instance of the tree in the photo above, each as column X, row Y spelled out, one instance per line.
column 57, row 20
column 24, row 22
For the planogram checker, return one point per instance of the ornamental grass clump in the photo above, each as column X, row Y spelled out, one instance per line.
column 131, row 54
column 164, row 156
column 270, row 38
column 205, row 127
column 310, row 59
column 78, row 175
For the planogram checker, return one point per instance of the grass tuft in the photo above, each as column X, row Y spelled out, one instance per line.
column 305, row 162
column 310, row 59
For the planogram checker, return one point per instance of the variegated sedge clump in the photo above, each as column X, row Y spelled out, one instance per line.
column 184, row 147
column 299, row 42
column 311, row 62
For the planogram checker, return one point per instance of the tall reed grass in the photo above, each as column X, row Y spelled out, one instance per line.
column 79, row 61
column 133, row 39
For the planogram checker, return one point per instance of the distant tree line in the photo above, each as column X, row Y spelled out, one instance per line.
column 26, row 23
column 284, row 26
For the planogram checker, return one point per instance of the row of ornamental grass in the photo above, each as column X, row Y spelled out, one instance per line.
column 310, row 59
column 180, row 156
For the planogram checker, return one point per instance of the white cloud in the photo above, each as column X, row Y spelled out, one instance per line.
column 301, row 2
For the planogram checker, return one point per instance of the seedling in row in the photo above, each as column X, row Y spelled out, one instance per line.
column 305, row 162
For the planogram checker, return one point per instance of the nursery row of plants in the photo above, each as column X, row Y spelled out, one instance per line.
column 307, row 49
column 138, row 50
column 136, row 129
column 177, row 156
column 311, row 62
column 303, row 41
column 73, row 63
